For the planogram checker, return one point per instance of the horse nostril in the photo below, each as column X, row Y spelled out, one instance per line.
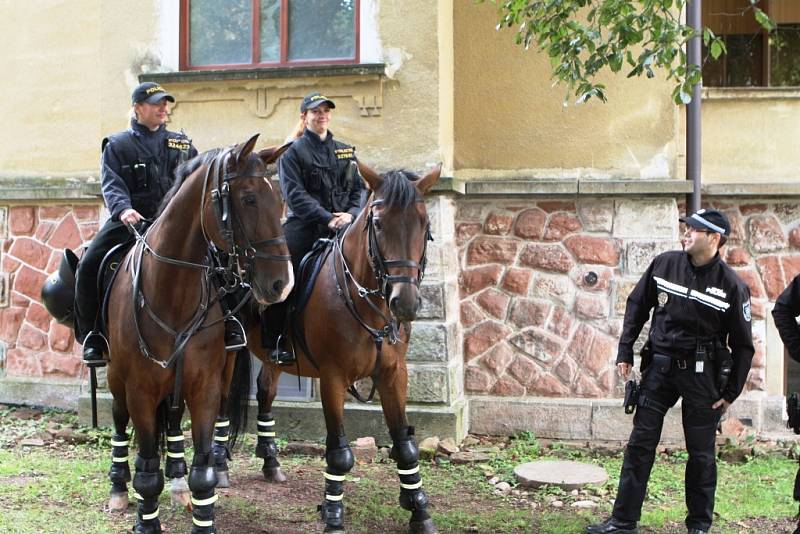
column 278, row 286
column 393, row 303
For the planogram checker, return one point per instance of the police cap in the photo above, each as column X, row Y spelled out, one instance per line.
column 151, row 93
column 313, row 100
column 709, row 220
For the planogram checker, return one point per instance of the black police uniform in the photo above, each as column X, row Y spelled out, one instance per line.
column 702, row 309
column 138, row 168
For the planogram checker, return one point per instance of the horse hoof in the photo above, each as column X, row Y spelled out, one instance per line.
column 223, row 480
column 118, row 502
column 422, row 527
column 333, row 530
column 273, row 475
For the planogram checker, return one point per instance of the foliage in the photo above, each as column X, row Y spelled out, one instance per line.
column 584, row 37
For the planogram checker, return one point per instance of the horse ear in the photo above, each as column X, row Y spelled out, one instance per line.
column 372, row 178
column 425, row 183
column 271, row 154
column 243, row 150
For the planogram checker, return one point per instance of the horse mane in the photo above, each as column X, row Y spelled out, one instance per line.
column 398, row 188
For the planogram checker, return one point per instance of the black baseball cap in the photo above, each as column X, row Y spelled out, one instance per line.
column 151, row 93
column 709, row 220
column 313, row 100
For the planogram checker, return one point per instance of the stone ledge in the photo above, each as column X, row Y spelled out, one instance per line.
column 521, row 187
column 305, row 421
column 633, row 187
column 189, row 76
column 752, row 189
column 750, row 93
column 48, row 188
column 48, row 393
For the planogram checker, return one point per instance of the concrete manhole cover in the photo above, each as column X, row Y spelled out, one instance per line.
column 567, row 475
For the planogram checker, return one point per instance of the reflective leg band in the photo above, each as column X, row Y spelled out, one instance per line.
column 337, row 478
column 120, row 459
column 115, row 443
column 219, row 424
column 267, row 434
column 174, row 454
column 334, row 498
column 271, row 422
column 201, row 523
column 408, row 471
column 221, row 438
column 175, row 438
column 205, row 502
column 411, row 486
column 148, row 517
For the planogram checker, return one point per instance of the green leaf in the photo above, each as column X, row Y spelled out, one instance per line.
column 716, row 49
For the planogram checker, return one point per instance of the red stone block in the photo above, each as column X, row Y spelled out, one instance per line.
column 524, row 371
column 556, row 205
column 590, row 306
column 38, row 316
column 53, row 213
column 794, row 237
column 548, row 386
column 737, row 257
column 64, row 365
column 86, row 213
column 539, row 344
column 470, row 314
column 473, row 280
column 466, row 231
column 546, row 257
column 498, row 223
column 530, row 224
column 61, row 338
column 507, row 387
column 477, row 380
column 29, row 282
column 766, row 233
column 791, row 267
column 10, row 265
column 594, row 250
column 604, row 350
column 21, row 220
column 758, row 309
column 517, row 280
column 562, row 225
column 529, row 312
column 592, row 350
column 485, row 249
column 566, row 369
column 31, row 338
column 483, row 337
column 602, row 283
column 771, row 275
column 88, row 231
column 560, row 323
column 54, row 261
column 21, row 362
column 752, row 209
column 586, row 387
column 19, row 300
column 66, row 235
column 497, row 359
column 31, row 252
column 753, row 281
column 10, row 323
column 738, row 234
column 44, row 230
column 494, row 302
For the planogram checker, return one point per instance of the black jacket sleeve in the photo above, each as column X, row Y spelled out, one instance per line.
column 786, row 309
column 354, row 201
column 300, row 202
column 637, row 311
column 740, row 341
column 116, row 195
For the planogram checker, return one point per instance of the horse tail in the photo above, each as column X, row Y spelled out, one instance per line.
column 239, row 394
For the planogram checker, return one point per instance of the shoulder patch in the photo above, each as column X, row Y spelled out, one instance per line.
column 746, row 310
column 176, row 143
column 345, row 153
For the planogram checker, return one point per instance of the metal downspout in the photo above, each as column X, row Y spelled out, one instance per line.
column 693, row 130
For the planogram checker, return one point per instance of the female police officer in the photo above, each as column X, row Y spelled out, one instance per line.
column 322, row 188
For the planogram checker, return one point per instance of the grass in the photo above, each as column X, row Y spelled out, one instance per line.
column 62, row 488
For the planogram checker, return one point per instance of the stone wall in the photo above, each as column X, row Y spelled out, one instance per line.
column 34, row 237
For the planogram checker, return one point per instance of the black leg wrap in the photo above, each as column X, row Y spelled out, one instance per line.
column 176, row 462
column 340, row 461
column 266, row 447
column 220, row 448
column 120, row 472
column 412, row 496
column 202, row 481
column 148, row 482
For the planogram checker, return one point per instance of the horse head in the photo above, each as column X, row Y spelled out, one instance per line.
column 247, row 211
column 398, row 232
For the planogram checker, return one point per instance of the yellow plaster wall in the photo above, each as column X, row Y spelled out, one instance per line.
column 510, row 121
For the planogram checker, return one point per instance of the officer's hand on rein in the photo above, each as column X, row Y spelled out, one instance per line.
column 721, row 403
column 130, row 216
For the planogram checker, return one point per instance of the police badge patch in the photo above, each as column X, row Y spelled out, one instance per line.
column 746, row 311
column 662, row 299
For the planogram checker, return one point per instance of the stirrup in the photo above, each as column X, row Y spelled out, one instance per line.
column 280, row 356
column 93, row 353
column 235, row 336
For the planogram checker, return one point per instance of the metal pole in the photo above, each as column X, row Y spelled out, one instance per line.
column 693, row 131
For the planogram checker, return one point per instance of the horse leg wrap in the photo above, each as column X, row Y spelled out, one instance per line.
column 120, row 472
column 202, row 481
column 220, row 448
column 266, row 447
column 412, row 496
column 147, row 484
column 340, row 461
column 176, row 461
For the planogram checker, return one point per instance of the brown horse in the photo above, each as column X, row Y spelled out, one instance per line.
column 165, row 320
column 355, row 325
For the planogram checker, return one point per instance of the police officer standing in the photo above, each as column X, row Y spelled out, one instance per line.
column 320, row 182
column 785, row 312
column 699, row 348
column 138, row 167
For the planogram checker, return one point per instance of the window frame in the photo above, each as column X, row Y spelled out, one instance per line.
column 255, row 45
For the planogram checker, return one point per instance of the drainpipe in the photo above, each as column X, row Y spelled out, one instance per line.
column 693, row 131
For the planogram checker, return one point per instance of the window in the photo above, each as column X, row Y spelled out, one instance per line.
column 755, row 57
column 221, row 34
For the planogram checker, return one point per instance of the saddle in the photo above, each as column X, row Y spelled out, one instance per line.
column 310, row 266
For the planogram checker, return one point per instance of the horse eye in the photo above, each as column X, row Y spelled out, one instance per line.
column 378, row 224
column 249, row 200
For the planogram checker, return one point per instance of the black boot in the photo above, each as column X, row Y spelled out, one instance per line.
column 93, row 348
column 281, row 356
column 613, row 526
column 235, row 337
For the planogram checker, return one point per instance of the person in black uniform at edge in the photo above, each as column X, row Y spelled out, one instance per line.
column 787, row 308
column 137, row 169
column 322, row 187
column 700, row 308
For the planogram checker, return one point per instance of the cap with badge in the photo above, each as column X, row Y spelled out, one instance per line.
column 313, row 100
column 150, row 93
column 709, row 220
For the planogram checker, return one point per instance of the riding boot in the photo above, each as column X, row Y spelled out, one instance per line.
column 235, row 337
column 273, row 334
column 93, row 348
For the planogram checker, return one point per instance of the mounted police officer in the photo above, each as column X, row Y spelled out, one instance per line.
column 700, row 348
column 322, row 188
column 138, row 167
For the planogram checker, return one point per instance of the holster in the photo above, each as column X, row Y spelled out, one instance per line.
column 793, row 412
column 724, row 367
column 631, row 396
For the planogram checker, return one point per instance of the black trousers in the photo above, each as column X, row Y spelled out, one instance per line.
column 662, row 384
column 87, row 301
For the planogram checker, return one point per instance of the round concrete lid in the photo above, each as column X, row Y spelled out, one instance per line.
column 565, row 474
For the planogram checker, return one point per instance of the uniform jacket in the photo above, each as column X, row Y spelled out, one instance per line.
column 314, row 179
column 138, row 167
column 708, row 304
column 786, row 309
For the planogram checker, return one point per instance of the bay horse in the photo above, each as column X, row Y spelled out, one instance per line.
column 354, row 325
column 165, row 321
